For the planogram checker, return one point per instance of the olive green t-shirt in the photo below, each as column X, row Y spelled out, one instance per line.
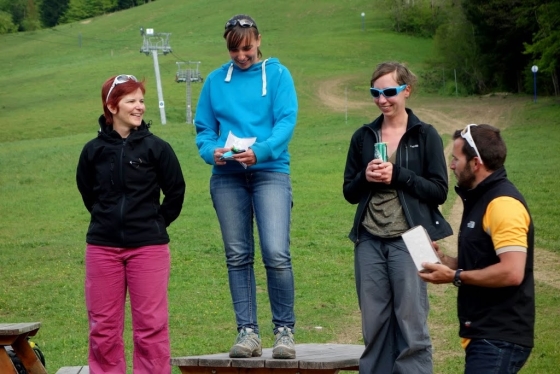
column 384, row 215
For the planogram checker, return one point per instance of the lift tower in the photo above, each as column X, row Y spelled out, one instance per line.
column 185, row 73
column 156, row 44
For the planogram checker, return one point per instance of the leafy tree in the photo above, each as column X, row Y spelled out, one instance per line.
column 125, row 4
column 7, row 25
column 77, row 10
column 82, row 9
column 52, row 10
column 17, row 9
column 417, row 17
column 500, row 40
column 98, row 7
column 545, row 47
column 31, row 19
column 456, row 49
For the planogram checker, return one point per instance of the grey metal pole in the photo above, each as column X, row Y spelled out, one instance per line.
column 363, row 21
column 456, row 92
column 346, row 105
column 534, row 69
column 161, row 103
column 189, row 97
column 535, row 86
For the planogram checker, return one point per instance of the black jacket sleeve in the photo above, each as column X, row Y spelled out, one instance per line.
column 85, row 173
column 172, row 183
column 432, row 186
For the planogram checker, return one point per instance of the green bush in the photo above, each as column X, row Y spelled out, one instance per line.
column 6, row 23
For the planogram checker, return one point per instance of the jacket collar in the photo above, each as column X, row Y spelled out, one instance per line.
column 107, row 133
column 412, row 121
column 475, row 193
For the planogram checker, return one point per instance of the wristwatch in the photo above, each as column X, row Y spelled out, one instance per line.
column 457, row 279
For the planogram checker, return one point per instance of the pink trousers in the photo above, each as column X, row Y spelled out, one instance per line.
column 144, row 272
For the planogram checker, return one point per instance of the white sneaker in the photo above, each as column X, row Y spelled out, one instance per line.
column 284, row 346
column 247, row 344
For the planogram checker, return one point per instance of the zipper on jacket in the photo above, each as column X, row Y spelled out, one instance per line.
column 123, row 198
column 112, row 169
column 375, row 134
column 399, row 192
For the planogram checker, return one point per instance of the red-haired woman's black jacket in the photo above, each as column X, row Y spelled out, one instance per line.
column 121, row 181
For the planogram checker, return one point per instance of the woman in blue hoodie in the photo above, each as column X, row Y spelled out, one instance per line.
column 245, row 118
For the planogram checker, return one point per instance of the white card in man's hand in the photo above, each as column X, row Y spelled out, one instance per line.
column 419, row 246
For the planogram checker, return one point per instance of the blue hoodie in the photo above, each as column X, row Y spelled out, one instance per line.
column 256, row 102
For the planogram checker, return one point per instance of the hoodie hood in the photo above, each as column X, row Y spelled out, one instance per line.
column 258, row 66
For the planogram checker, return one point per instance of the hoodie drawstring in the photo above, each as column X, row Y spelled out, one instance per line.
column 263, row 67
column 229, row 72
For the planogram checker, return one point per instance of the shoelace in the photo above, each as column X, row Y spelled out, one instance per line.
column 284, row 337
column 245, row 337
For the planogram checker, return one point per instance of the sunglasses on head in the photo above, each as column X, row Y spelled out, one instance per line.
column 119, row 79
column 241, row 22
column 387, row 92
column 466, row 134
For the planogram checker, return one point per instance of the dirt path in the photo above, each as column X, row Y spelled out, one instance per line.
column 447, row 116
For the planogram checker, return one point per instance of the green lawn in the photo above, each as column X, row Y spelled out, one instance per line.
column 49, row 103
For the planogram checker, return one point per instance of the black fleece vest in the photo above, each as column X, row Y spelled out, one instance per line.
column 506, row 313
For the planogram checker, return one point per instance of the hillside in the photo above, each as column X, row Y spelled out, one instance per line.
column 49, row 103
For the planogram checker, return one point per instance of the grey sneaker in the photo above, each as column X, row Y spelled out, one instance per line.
column 247, row 344
column 284, row 346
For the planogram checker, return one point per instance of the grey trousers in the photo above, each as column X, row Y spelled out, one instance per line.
column 394, row 305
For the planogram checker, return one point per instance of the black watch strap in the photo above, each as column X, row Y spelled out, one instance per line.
column 457, row 279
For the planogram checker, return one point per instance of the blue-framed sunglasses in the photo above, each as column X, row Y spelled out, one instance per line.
column 241, row 22
column 387, row 92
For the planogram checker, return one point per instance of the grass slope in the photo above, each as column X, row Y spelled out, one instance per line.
column 49, row 103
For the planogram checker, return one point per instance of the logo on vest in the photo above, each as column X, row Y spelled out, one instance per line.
column 470, row 225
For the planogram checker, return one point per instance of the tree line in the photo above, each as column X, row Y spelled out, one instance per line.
column 29, row 15
column 490, row 45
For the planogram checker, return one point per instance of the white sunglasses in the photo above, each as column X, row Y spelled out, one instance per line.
column 466, row 134
column 119, row 79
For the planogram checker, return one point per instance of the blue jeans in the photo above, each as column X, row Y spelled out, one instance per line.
column 266, row 197
column 394, row 304
column 485, row 356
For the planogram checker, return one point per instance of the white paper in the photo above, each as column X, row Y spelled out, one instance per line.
column 239, row 143
column 419, row 246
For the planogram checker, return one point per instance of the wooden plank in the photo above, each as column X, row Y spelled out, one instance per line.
column 18, row 328
column 308, row 357
column 230, row 370
column 329, row 356
column 15, row 334
column 73, row 370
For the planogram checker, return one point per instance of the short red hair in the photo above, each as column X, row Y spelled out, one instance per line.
column 117, row 94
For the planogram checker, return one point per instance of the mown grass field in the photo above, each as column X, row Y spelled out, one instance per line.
column 49, row 104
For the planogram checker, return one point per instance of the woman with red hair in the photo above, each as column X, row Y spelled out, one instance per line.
column 120, row 175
